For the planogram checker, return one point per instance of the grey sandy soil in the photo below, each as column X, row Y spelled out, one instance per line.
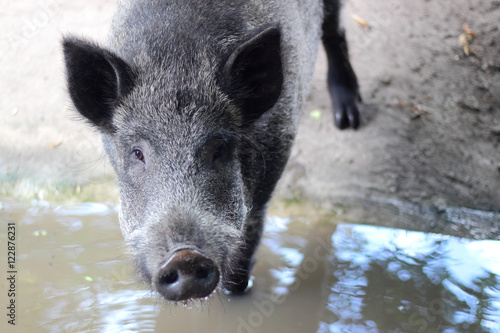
column 431, row 118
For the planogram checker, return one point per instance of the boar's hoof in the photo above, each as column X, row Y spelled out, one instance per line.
column 346, row 113
column 345, row 104
column 241, row 282
column 185, row 275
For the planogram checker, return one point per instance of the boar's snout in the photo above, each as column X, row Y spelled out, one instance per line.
column 185, row 275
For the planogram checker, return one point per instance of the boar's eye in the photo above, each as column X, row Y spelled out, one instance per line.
column 138, row 154
column 219, row 152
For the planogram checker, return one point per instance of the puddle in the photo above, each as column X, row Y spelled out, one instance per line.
column 73, row 276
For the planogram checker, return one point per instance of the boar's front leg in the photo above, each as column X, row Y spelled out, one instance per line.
column 342, row 81
column 253, row 79
column 237, row 283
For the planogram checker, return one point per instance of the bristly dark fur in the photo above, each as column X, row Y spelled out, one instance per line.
column 198, row 104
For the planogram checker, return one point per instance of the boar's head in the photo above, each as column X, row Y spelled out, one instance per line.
column 178, row 130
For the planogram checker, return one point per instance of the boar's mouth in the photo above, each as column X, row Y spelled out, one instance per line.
column 185, row 275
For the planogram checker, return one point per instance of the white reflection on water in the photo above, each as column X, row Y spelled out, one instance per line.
column 466, row 260
column 123, row 311
column 426, row 281
column 81, row 209
column 275, row 230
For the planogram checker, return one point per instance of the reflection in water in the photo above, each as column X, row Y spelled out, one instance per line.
column 413, row 282
column 123, row 312
column 319, row 277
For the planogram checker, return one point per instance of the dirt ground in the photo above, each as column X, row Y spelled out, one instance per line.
column 431, row 120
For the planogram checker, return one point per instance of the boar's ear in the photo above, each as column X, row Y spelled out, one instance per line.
column 97, row 80
column 253, row 74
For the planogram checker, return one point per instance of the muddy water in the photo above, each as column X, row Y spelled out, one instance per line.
column 72, row 276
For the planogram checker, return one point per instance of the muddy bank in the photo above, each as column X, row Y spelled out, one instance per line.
column 431, row 127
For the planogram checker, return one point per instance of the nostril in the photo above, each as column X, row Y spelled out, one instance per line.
column 201, row 273
column 169, row 277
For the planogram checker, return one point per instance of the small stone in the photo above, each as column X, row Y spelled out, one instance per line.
column 386, row 80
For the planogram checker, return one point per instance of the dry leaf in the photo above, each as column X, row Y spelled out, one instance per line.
column 470, row 34
column 465, row 38
column 361, row 22
column 55, row 144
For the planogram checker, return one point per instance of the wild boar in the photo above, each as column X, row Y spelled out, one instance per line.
column 198, row 103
